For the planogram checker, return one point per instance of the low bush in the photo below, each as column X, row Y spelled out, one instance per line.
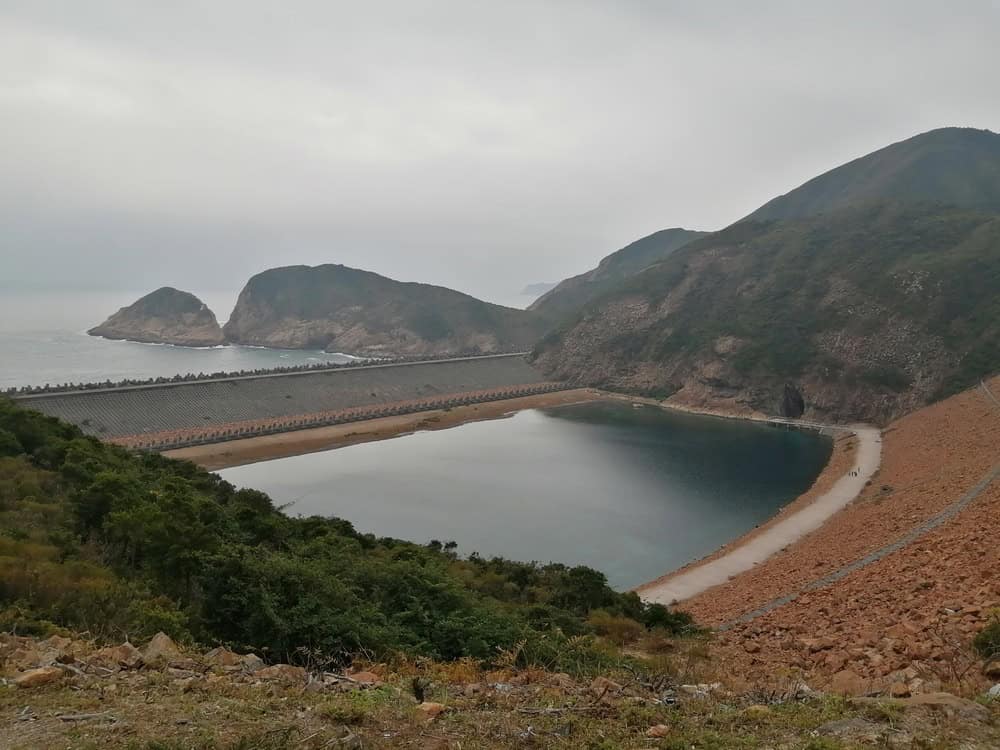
column 987, row 641
column 105, row 540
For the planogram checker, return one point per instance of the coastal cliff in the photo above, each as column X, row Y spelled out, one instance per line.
column 871, row 292
column 337, row 308
column 166, row 316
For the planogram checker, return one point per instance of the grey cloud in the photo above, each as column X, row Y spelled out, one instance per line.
column 477, row 145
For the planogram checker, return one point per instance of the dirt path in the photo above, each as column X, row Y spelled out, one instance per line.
column 697, row 579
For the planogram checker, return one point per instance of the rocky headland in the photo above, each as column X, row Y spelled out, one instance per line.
column 337, row 308
column 166, row 316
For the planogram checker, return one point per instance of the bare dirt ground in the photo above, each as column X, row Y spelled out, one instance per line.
column 65, row 693
column 250, row 450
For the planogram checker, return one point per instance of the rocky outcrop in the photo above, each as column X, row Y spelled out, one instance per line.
column 343, row 309
column 793, row 405
column 166, row 316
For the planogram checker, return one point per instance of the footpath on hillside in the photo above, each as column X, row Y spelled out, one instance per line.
column 777, row 536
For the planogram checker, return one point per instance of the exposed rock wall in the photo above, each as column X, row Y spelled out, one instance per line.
column 166, row 316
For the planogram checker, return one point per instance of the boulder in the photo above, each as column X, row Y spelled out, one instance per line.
column 602, row 685
column 846, row 682
column 431, row 710
column 38, row 677
column 25, row 658
column 658, row 730
column 992, row 669
column 994, row 692
column 220, row 656
column 125, row 656
column 160, row 647
column 814, row 645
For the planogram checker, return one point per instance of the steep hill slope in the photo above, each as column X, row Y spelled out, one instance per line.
column 956, row 166
column 166, row 316
column 867, row 312
column 574, row 293
column 338, row 308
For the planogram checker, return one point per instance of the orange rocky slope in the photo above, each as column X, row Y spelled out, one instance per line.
column 907, row 618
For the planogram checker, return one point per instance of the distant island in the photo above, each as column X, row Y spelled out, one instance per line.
column 165, row 316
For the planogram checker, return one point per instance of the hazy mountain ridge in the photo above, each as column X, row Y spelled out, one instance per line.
column 870, row 307
column 164, row 316
column 956, row 166
column 338, row 308
column 574, row 293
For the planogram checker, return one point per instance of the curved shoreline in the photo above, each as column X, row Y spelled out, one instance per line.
column 785, row 529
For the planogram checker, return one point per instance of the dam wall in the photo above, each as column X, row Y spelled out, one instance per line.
column 191, row 413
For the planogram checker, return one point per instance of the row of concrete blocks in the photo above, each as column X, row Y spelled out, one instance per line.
column 221, row 433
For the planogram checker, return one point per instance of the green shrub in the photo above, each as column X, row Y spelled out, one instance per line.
column 137, row 543
column 987, row 641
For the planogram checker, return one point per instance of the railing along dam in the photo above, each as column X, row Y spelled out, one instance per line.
column 176, row 415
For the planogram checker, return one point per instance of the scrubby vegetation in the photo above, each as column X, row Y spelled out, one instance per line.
column 880, row 297
column 987, row 641
column 103, row 540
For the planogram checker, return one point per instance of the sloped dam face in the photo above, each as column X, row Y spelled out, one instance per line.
column 632, row 492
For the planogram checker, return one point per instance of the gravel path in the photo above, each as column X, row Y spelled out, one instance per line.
column 714, row 572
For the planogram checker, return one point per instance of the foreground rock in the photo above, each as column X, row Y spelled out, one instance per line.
column 166, row 316
column 38, row 677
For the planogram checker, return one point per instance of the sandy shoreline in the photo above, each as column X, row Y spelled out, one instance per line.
column 786, row 529
column 225, row 455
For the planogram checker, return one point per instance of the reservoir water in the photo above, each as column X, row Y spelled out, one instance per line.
column 632, row 492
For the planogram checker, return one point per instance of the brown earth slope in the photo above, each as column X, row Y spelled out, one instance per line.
column 915, row 609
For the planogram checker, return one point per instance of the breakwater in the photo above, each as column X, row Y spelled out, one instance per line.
column 175, row 415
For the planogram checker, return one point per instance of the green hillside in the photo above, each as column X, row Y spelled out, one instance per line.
column 870, row 311
column 956, row 166
column 98, row 539
column 344, row 309
column 574, row 293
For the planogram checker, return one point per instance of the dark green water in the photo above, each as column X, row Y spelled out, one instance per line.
column 632, row 492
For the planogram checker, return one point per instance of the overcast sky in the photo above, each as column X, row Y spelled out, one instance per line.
column 479, row 145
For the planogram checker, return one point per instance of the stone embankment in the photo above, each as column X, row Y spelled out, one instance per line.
column 217, row 433
column 888, row 594
column 261, row 402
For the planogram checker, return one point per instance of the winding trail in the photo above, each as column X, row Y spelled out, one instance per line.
column 697, row 579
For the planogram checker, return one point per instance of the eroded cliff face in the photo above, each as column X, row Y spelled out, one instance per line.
column 342, row 309
column 866, row 315
column 166, row 316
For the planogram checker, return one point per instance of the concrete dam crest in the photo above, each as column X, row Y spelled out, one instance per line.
column 173, row 415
